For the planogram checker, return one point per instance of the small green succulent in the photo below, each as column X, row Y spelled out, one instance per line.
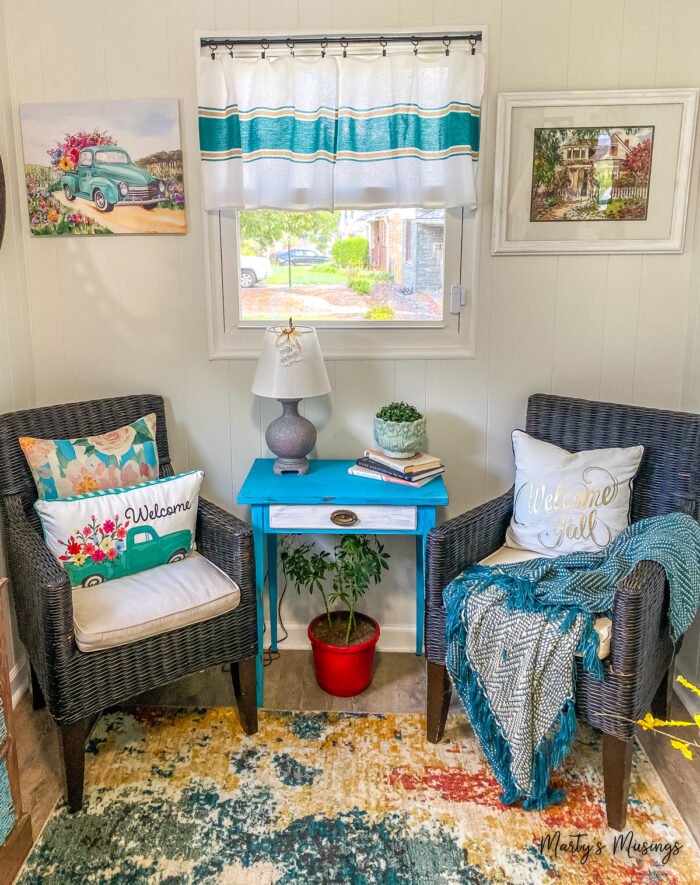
column 399, row 412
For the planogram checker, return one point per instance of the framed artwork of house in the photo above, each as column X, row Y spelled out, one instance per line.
column 593, row 171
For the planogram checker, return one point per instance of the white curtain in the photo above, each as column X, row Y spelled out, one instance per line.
column 340, row 133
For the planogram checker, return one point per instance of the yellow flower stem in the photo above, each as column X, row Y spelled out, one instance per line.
column 655, row 730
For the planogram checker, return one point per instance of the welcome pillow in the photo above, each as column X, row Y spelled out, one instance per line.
column 105, row 535
column 568, row 502
column 112, row 460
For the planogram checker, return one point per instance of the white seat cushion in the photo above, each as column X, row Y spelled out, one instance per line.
column 508, row 555
column 153, row 601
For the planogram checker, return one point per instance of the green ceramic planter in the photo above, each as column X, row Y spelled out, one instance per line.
column 399, row 439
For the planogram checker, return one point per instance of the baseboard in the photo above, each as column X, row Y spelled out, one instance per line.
column 19, row 679
column 391, row 638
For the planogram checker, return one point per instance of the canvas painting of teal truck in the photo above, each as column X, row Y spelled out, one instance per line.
column 112, row 549
column 103, row 168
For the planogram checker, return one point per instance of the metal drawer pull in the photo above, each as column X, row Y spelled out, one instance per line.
column 344, row 518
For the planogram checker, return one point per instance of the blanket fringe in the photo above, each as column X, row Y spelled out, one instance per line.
column 588, row 649
column 552, row 749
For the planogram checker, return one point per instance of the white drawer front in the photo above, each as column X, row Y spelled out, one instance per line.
column 337, row 516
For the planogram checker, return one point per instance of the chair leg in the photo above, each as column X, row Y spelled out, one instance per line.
column 439, row 696
column 38, row 701
column 72, row 743
column 661, row 702
column 245, row 689
column 617, row 765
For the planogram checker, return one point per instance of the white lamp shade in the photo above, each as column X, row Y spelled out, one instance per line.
column 305, row 375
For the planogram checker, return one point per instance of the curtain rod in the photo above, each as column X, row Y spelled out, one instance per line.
column 228, row 43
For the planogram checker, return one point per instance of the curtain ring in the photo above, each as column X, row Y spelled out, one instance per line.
column 446, row 43
column 383, row 44
column 472, row 43
column 290, row 44
column 213, row 46
column 324, row 46
column 264, row 45
column 229, row 45
column 414, row 41
column 344, row 44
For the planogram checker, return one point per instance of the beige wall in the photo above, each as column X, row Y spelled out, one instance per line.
column 16, row 364
column 119, row 314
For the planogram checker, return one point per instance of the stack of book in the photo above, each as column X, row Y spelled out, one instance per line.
column 415, row 471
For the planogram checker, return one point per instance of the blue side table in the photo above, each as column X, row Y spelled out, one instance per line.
column 328, row 500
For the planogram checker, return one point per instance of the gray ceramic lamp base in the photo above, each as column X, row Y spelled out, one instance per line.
column 291, row 437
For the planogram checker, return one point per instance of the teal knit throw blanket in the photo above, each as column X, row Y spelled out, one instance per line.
column 513, row 632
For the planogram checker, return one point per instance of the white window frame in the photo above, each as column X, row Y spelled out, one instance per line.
column 452, row 338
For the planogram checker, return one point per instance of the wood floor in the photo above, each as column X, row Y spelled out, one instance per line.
column 398, row 687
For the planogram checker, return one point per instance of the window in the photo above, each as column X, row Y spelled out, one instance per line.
column 375, row 282
column 341, row 266
column 85, row 158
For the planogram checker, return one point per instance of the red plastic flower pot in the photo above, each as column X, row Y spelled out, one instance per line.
column 343, row 670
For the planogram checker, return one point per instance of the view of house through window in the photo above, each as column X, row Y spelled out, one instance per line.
column 384, row 264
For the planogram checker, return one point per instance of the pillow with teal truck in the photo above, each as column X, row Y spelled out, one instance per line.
column 109, row 534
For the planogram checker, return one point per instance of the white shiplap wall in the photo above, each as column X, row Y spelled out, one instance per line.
column 16, row 364
column 119, row 314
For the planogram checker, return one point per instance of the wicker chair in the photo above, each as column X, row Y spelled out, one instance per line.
column 78, row 685
column 641, row 652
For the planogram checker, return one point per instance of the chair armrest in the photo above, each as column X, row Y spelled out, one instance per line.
column 462, row 541
column 640, row 625
column 41, row 591
column 228, row 542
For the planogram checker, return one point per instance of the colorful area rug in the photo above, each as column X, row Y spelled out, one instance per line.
column 178, row 796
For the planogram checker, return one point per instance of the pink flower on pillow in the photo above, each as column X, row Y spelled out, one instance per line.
column 116, row 442
column 130, row 474
column 36, row 451
column 98, row 555
column 108, row 526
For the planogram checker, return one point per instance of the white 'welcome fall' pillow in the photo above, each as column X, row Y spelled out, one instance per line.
column 568, row 502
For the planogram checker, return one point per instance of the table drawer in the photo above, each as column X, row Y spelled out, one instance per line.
column 363, row 517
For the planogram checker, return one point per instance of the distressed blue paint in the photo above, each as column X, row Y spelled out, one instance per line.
column 328, row 482
column 272, row 582
column 259, row 547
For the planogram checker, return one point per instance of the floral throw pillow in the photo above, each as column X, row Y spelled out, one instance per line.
column 117, row 459
column 113, row 533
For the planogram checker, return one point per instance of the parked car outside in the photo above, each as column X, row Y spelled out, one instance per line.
column 254, row 269
column 106, row 175
column 300, row 257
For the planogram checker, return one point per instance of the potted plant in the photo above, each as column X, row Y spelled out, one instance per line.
column 399, row 430
column 343, row 641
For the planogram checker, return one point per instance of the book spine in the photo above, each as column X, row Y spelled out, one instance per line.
column 382, row 477
column 371, row 464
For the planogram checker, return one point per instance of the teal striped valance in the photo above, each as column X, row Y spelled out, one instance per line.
column 401, row 130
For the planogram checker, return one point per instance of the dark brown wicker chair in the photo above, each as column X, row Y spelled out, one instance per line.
column 77, row 685
column 641, row 652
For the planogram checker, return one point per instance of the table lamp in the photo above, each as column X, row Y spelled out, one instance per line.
column 290, row 368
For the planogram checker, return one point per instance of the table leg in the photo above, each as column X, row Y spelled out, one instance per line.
column 420, row 591
column 272, row 587
column 259, row 545
column 427, row 521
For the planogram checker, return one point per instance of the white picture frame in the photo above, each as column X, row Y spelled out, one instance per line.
column 670, row 114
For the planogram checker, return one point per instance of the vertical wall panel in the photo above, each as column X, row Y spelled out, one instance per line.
column 620, row 323
column 578, row 325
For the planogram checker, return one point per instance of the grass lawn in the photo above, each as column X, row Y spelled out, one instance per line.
column 306, row 276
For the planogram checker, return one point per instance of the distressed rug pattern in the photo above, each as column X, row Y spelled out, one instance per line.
column 177, row 796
